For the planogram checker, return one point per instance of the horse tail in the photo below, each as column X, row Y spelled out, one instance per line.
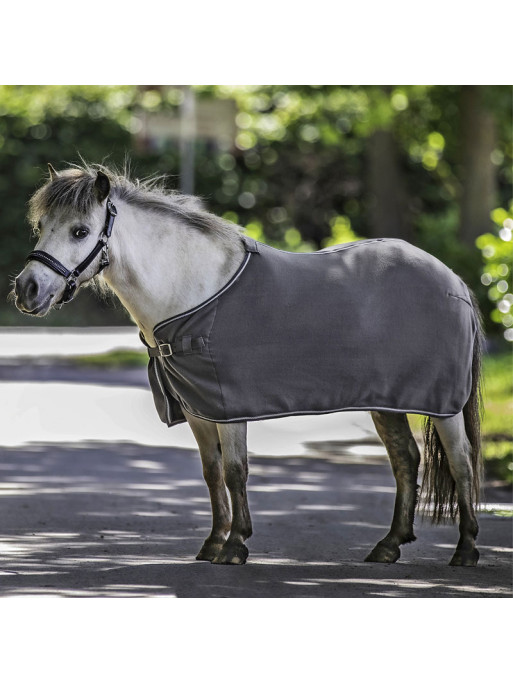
column 438, row 489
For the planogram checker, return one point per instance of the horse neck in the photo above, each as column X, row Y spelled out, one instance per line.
column 161, row 267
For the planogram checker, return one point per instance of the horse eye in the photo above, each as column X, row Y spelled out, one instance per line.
column 80, row 232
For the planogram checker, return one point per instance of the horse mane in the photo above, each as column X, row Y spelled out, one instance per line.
column 73, row 189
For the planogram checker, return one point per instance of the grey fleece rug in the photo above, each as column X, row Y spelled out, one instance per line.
column 375, row 324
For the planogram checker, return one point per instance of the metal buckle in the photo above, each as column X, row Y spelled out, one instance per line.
column 104, row 259
column 165, row 350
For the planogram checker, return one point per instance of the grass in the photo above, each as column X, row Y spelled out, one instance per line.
column 498, row 394
column 115, row 359
column 498, row 418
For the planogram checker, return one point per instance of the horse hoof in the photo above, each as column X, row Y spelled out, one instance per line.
column 232, row 554
column 209, row 551
column 465, row 559
column 383, row 554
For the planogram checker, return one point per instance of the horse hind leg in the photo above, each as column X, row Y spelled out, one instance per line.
column 394, row 431
column 207, row 438
column 457, row 448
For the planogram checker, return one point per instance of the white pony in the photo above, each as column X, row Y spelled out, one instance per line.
column 163, row 255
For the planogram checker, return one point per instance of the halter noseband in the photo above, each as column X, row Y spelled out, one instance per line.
column 71, row 276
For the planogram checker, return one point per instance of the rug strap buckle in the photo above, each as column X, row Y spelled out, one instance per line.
column 165, row 350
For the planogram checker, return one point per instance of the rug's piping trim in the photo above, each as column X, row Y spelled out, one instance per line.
column 249, row 419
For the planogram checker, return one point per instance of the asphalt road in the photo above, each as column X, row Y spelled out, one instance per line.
column 124, row 520
column 99, row 516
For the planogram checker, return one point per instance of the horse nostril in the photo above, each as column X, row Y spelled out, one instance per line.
column 32, row 289
column 26, row 289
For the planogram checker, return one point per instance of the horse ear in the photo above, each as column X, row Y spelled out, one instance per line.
column 53, row 173
column 101, row 186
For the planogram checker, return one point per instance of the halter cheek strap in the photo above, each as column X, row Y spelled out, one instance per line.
column 71, row 276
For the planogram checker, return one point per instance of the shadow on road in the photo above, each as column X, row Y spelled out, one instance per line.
column 120, row 519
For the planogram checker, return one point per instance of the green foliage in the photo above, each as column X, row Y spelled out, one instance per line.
column 497, row 255
column 498, row 394
column 341, row 232
column 438, row 235
column 287, row 171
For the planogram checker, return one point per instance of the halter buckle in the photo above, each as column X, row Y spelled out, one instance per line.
column 104, row 259
column 111, row 208
column 69, row 291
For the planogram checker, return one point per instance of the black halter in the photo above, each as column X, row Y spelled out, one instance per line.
column 71, row 276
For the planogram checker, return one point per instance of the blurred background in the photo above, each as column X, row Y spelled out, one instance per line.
column 300, row 167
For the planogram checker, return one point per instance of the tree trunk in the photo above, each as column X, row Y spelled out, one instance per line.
column 479, row 182
column 387, row 212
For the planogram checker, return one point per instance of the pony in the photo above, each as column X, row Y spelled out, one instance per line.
column 166, row 257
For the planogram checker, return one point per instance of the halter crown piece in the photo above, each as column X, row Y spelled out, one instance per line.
column 71, row 276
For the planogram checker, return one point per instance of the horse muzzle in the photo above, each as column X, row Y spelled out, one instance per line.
column 33, row 295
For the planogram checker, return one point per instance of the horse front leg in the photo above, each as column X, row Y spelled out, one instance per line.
column 232, row 438
column 458, row 451
column 207, row 438
column 394, row 430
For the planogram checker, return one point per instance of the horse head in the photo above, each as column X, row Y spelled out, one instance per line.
column 72, row 217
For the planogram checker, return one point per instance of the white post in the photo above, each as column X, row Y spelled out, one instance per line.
column 187, row 141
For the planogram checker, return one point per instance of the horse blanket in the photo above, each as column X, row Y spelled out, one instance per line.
column 375, row 324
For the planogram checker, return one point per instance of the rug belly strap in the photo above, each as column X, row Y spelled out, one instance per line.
column 185, row 345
